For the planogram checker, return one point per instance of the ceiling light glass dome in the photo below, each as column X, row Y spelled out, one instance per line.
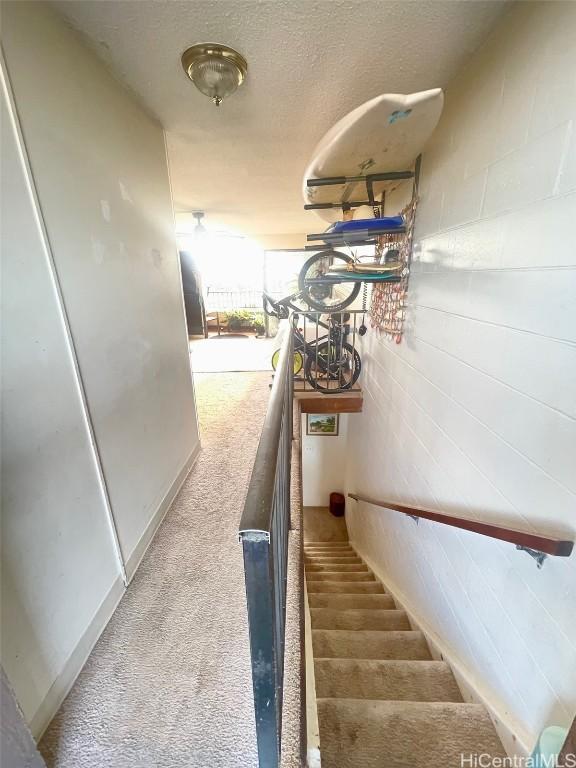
column 216, row 70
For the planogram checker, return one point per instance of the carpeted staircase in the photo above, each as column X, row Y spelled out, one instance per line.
column 382, row 701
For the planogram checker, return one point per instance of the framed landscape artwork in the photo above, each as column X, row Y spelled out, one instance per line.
column 324, row 424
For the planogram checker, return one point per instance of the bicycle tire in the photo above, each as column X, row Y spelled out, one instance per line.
column 298, row 361
column 324, row 367
column 306, row 290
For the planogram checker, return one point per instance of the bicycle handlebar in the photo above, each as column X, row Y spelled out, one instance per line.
column 280, row 309
column 274, row 308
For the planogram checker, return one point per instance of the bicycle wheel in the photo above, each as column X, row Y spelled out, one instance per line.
column 298, row 361
column 333, row 367
column 327, row 297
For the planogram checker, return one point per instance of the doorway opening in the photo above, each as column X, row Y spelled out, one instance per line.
column 223, row 277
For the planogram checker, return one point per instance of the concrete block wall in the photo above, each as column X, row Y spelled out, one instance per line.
column 474, row 413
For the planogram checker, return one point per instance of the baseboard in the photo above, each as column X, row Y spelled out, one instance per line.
column 79, row 656
column 313, row 729
column 145, row 540
column 66, row 679
column 514, row 737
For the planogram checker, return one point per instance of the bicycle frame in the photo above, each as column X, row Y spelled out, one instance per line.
column 281, row 310
column 329, row 358
column 282, row 306
column 336, row 339
column 327, row 352
column 307, row 347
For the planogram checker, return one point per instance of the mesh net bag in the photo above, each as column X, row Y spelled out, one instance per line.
column 388, row 300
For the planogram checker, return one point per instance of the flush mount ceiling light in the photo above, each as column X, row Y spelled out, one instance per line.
column 216, row 70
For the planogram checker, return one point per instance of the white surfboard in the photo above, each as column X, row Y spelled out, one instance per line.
column 384, row 134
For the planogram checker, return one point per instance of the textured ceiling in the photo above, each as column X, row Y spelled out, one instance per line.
column 310, row 62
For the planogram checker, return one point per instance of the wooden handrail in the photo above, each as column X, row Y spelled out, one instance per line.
column 569, row 747
column 547, row 544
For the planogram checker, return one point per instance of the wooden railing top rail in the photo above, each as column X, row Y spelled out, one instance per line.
column 569, row 747
column 535, row 541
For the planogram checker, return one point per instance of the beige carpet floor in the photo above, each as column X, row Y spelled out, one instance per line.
column 320, row 525
column 169, row 684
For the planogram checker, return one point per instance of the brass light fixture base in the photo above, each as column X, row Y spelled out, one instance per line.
column 203, row 52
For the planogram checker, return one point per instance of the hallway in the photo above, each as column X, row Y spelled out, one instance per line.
column 405, row 226
column 168, row 684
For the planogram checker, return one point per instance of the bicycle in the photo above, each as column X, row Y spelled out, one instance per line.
column 330, row 362
column 330, row 280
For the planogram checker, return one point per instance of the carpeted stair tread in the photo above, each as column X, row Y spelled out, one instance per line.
column 329, row 553
column 342, row 602
column 338, row 552
column 349, row 587
column 332, row 559
column 328, row 543
column 323, row 556
column 329, row 550
column 396, row 680
column 369, row 644
column 356, row 733
column 339, row 576
column 334, row 562
column 358, row 619
column 340, row 567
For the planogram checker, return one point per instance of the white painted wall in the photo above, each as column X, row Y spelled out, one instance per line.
column 474, row 413
column 100, row 167
column 98, row 164
column 58, row 557
column 323, row 464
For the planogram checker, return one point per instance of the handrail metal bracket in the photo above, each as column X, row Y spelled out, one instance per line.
column 415, row 518
column 540, row 557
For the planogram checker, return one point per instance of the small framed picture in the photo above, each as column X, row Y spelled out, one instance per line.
column 324, row 424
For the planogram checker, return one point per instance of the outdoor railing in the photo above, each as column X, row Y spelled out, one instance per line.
column 226, row 301
column 264, row 535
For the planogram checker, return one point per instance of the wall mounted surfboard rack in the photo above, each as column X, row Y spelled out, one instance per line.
column 369, row 180
column 387, row 299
